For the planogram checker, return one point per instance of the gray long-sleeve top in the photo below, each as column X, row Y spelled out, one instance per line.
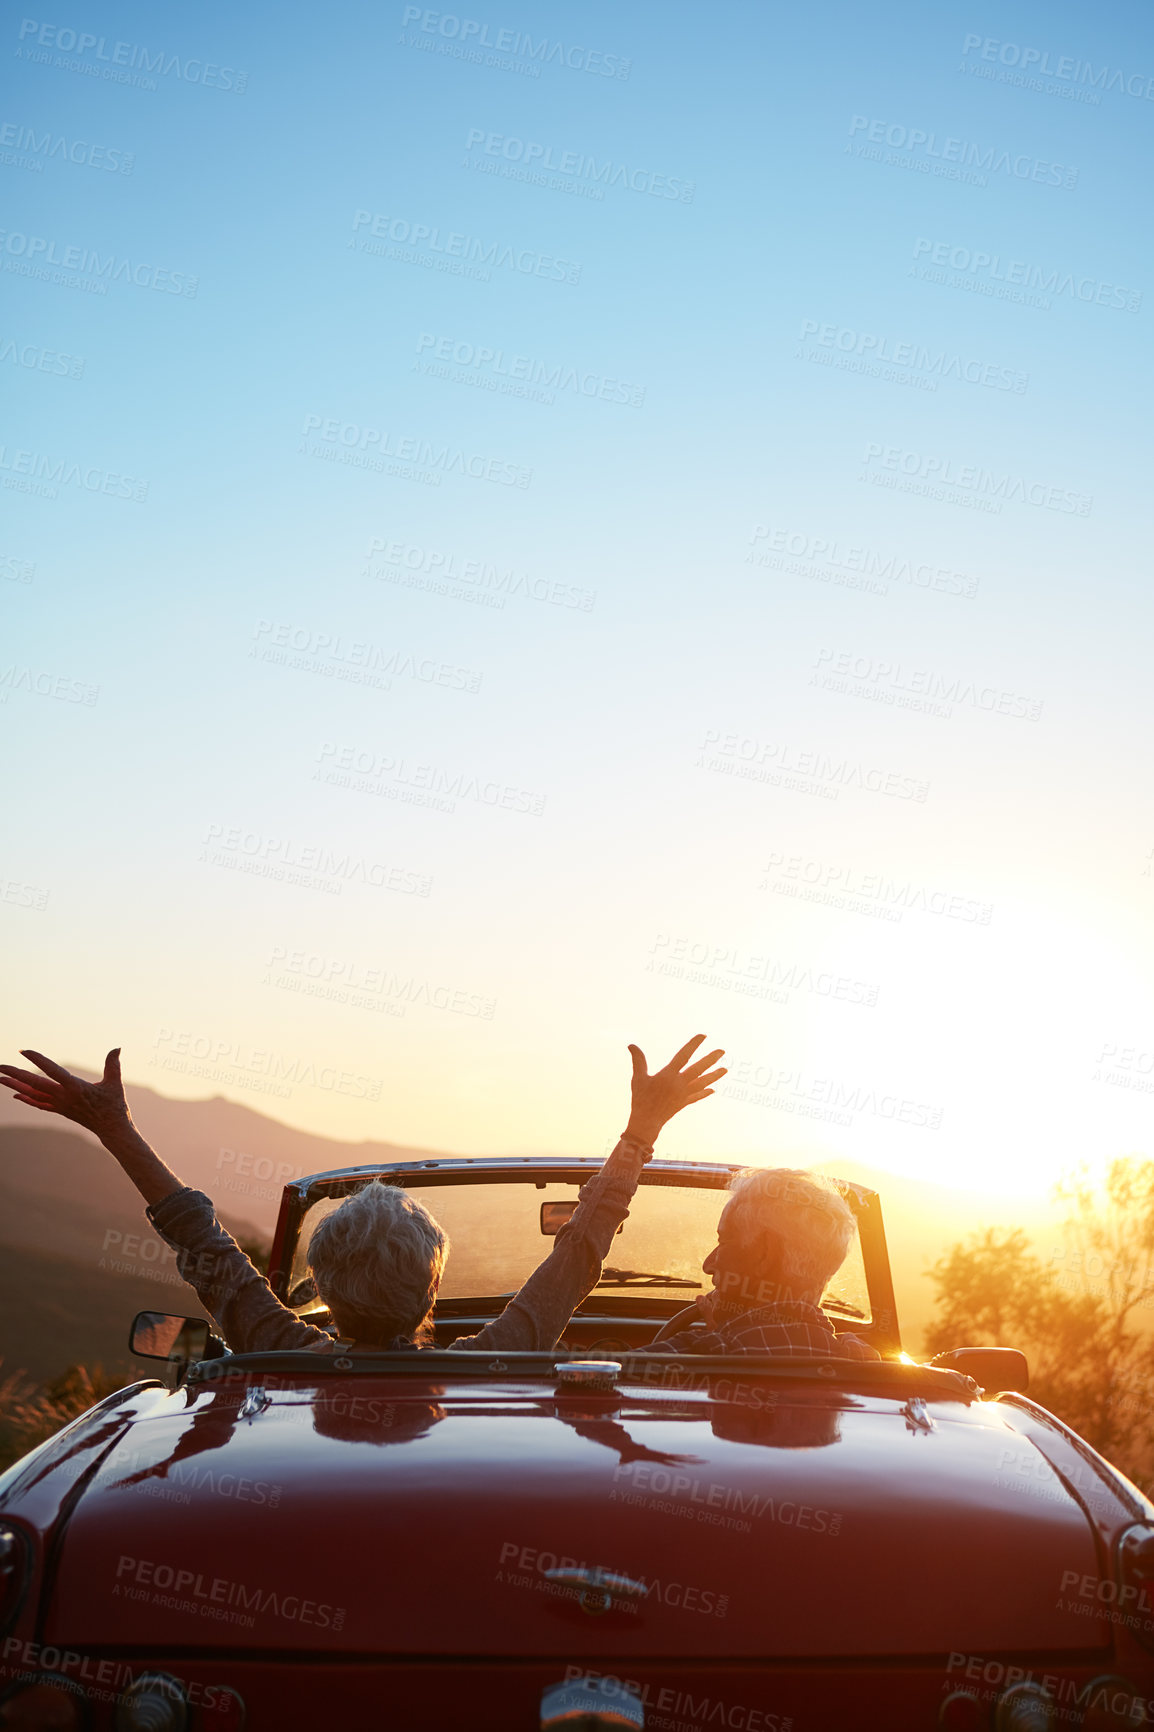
column 252, row 1319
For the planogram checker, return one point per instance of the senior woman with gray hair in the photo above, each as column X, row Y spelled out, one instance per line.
column 377, row 1260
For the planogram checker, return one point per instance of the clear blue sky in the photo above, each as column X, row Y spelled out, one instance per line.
column 650, row 447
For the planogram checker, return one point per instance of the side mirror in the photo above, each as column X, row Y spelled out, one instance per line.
column 555, row 1215
column 158, row 1335
column 993, row 1368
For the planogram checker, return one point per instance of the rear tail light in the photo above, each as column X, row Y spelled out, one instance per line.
column 1134, row 1608
column 1024, row 1708
column 1111, row 1703
column 962, row 1712
column 154, row 1702
column 49, row 1705
column 14, row 1560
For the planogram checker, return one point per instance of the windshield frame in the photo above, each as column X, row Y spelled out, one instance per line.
column 300, row 1194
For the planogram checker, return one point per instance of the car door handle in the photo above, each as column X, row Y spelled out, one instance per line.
column 597, row 1588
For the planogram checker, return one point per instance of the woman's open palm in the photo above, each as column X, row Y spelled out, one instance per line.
column 658, row 1097
column 98, row 1106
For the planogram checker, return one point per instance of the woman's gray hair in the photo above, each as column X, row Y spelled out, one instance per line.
column 377, row 1261
column 799, row 1224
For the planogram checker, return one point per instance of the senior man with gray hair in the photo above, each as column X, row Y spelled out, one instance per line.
column 782, row 1237
column 378, row 1258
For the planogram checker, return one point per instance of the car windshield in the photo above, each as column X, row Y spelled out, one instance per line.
column 496, row 1242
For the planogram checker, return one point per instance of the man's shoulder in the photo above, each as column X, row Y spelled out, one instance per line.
column 853, row 1347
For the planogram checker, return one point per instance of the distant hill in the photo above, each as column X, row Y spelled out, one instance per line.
column 73, row 1228
column 77, row 1256
column 61, row 1193
column 55, row 1313
column 240, row 1157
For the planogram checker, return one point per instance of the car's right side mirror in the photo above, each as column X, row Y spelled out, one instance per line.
column 159, row 1335
column 993, row 1368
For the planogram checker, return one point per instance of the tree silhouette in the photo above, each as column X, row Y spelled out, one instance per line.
column 1082, row 1316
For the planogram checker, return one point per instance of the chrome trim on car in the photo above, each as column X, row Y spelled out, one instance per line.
column 585, row 1374
column 153, row 1702
column 255, row 1403
column 1026, row 1707
column 918, row 1416
column 591, row 1702
column 597, row 1588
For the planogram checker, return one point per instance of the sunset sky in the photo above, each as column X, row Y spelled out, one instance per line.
column 512, row 555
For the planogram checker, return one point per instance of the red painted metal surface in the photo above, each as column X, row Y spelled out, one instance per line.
column 381, row 1516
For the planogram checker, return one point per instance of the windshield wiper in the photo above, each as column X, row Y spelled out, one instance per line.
column 843, row 1306
column 636, row 1278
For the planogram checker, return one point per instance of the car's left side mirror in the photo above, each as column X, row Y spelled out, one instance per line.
column 159, row 1335
column 993, row 1368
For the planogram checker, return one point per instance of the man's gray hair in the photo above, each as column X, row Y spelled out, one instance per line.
column 798, row 1222
column 377, row 1261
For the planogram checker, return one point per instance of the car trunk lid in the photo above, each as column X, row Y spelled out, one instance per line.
column 392, row 1516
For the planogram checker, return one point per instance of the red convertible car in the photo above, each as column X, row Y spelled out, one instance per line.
column 593, row 1537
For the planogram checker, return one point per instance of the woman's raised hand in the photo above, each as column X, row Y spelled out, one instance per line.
column 656, row 1098
column 98, row 1106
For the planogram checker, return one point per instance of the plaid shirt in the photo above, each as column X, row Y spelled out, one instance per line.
column 789, row 1329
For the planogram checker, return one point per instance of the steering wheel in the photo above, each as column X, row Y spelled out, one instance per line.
column 678, row 1323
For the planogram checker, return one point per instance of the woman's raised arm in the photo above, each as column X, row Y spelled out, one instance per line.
column 534, row 1318
column 250, row 1316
